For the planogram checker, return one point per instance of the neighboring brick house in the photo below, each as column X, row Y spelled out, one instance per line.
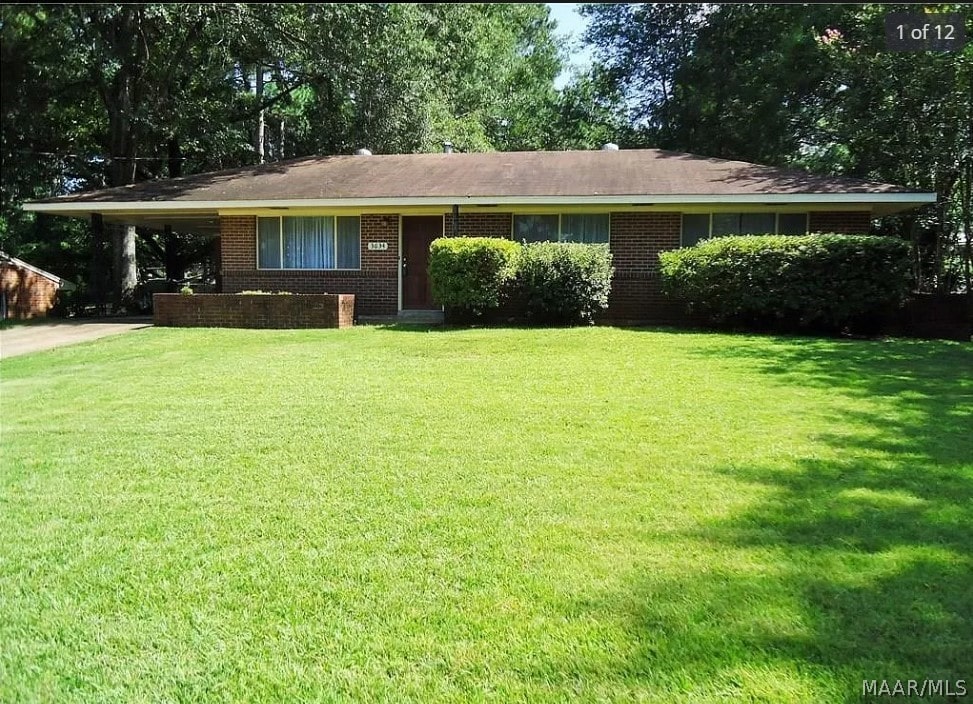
column 362, row 224
column 26, row 291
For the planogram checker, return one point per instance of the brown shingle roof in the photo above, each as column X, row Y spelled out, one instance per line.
column 493, row 174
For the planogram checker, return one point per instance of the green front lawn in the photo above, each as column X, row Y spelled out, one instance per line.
column 483, row 515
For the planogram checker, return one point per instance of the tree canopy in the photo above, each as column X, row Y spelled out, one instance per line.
column 107, row 94
column 813, row 86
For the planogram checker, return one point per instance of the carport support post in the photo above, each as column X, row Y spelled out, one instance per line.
column 455, row 228
column 171, row 251
column 98, row 272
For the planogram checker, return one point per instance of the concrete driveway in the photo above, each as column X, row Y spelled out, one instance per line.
column 46, row 335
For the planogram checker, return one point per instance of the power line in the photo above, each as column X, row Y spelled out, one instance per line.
column 100, row 157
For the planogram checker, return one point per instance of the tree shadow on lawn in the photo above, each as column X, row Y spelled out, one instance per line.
column 853, row 567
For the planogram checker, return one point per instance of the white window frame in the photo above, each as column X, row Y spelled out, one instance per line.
column 560, row 216
column 280, row 235
column 709, row 216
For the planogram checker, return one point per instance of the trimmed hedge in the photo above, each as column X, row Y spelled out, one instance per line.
column 562, row 283
column 468, row 274
column 547, row 283
column 829, row 282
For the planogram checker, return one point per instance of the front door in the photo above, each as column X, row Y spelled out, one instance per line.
column 417, row 234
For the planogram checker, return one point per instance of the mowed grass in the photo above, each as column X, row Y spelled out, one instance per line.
column 396, row 514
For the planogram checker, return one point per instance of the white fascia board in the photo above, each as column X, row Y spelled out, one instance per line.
column 219, row 205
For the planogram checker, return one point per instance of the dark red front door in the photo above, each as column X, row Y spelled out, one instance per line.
column 417, row 233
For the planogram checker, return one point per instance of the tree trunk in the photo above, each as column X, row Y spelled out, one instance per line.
column 122, row 143
column 261, row 116
column 940, row 236
column 916, row 256
column 174, row 157
column 966, row 214
column 125, row 269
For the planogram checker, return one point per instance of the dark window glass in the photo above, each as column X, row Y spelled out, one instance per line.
column 726, row 224
column 792, row 224
column 694, row 228
column 757, row 223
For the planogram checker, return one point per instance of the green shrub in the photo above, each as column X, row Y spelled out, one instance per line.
column 812, row 281
column 468, row 274
column 186, row 290
column 562, row 283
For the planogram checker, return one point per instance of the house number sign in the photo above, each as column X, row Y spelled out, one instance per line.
column 378, row 246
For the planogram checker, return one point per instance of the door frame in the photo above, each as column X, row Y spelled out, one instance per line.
column 399, row 258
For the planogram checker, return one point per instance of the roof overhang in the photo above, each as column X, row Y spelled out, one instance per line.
column 67, row 208
column 203, row 216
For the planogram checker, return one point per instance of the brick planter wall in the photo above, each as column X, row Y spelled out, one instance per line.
column 228, row 310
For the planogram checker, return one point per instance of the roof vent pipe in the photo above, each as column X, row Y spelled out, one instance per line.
column 362, row 152
column 609, row 147
column 447, row 147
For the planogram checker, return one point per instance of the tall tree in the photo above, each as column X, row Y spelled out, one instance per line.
column 808, row 85
column 641, row 47
column 110, row 94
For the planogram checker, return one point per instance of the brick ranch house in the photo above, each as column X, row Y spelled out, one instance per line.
column 25, row 290
column 362, row 223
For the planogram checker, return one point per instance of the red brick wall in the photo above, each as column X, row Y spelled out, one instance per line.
column 238, row 243
column 636, row 240
column 28, row 295
column 852, row 222
column 486, row 224
column 215, row 310
column 375, row 286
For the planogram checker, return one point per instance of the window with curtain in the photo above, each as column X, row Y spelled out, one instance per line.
column 328, row 242
column 268, row 243
column 582, row 227
column 589, row 229
column 696, row 227
column 535, row 228
column 348, row 242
